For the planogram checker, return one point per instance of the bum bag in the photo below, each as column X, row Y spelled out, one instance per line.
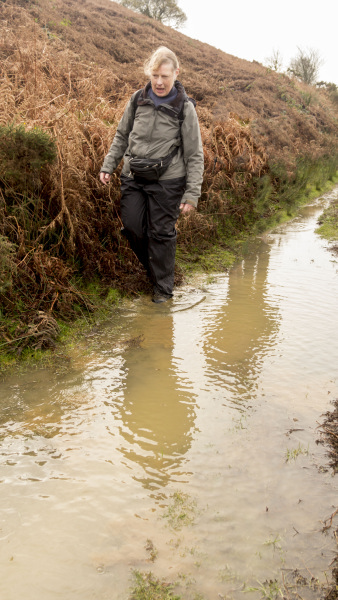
column 151, row 168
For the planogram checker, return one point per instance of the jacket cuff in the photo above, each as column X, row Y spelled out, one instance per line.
column 189, row 201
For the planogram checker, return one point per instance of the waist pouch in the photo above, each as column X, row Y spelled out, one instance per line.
column 151, row 168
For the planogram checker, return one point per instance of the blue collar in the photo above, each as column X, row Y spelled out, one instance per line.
column 157, row 100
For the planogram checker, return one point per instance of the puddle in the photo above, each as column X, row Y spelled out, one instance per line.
column 214, row 400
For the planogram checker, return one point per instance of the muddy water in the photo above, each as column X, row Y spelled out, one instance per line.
column 182, row 433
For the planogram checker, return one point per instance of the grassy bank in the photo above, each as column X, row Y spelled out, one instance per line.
column 328, row 225
column 270, row 206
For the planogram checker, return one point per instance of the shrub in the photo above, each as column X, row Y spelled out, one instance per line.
column 23, row 153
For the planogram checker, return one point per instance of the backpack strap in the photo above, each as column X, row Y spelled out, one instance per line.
column 135, row 101
column 180, row 115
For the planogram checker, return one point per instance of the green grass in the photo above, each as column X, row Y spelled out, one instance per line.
column 104, row 305
column 181, row 511
column 274, row 542
column 148, row 587
column 295, row 452
column 29, row 359
column 328, row 222
column 214, row 260
column 269, row 590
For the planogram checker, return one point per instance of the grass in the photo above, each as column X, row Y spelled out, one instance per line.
column 212, row 260
column 148, row 587
column 216, row 258
column 70, row 331
column 310, row 181
column 226, row 574
column 328, row 223
column 181, row 511
column 31, row 359
column 269, row 590
column 295, row 452
column 274, row 542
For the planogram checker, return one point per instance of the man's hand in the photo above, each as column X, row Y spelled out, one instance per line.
column 105, row 178
column 186, row 208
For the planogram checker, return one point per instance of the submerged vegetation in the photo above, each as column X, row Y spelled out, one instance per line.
column 268, row 143
column 148, row 587
column 295, row 452
column 292, row 584
column 181, row 511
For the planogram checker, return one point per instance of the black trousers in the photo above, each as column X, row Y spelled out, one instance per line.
column 149, row 211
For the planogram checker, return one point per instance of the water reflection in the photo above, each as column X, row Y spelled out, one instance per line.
column 198, row 350
column 220, row 344
column 243, row 331
column 157, row 415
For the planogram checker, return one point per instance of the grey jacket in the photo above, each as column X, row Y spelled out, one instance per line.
column 153, row 132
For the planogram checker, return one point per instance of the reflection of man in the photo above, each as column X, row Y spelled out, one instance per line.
column 157, row 418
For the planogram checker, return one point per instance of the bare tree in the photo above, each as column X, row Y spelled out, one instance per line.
column 306, row 65
column 166, row 11
column 275, row 61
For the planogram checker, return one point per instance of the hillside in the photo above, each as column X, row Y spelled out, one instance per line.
column 67, row 71
column 104, row 35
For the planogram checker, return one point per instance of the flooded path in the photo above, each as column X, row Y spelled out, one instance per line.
column 181, row 439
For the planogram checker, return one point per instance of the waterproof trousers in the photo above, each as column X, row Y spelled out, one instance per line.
column 149, row 211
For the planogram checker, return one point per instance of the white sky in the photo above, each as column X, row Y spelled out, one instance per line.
column 253, row 29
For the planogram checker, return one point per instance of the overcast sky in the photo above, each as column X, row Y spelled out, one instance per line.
column 253, row 29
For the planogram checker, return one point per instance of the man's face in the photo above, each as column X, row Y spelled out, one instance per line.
column 162, row 79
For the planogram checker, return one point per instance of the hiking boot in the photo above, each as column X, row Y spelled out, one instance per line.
column 158, row 298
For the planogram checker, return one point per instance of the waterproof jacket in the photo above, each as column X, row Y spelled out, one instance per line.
column 147, row 131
